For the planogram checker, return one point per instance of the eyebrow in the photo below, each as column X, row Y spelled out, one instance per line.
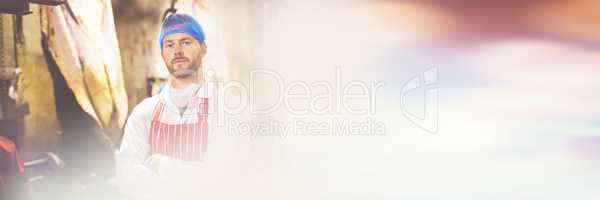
column 185, row 38
column 182, row 39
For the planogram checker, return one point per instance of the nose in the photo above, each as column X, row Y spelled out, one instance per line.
column 178, row 53
column 177, row 50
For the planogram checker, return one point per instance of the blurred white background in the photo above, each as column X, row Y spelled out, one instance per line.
column 516, row 87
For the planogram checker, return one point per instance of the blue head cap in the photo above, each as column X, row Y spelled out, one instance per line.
column 180, row 23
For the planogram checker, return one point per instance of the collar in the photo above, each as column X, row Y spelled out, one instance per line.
column 203, row 91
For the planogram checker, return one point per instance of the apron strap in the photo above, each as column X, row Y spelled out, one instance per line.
column 158, row 109
column 203, row 107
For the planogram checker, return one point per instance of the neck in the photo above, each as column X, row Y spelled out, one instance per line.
column 183, row 82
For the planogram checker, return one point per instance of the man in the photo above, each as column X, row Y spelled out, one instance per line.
column 171, row 128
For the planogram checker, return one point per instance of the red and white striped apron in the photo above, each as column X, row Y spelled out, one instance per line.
column 185, row 141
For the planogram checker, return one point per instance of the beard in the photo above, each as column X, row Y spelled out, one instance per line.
column 184, row 71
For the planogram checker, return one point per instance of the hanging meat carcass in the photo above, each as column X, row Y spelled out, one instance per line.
column 81, row 38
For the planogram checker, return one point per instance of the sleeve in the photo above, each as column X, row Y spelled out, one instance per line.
column 221, row 143
column 135, row 148
column 223, row 150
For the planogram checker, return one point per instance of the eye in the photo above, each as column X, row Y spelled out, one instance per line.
column 169, row 45
column 187, row 42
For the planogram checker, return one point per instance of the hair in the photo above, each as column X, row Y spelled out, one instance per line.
column 180, row 23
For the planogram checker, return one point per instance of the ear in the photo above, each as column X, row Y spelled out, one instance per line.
column 203, row 49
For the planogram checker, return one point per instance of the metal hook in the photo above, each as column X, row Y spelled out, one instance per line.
column 171, row 10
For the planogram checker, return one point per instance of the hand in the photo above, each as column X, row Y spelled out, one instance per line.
column 154, row 161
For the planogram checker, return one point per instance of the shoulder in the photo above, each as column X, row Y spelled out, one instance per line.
column 208, row 90
column 146, row 106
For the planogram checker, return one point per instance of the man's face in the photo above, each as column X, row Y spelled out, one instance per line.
column 182, row 54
